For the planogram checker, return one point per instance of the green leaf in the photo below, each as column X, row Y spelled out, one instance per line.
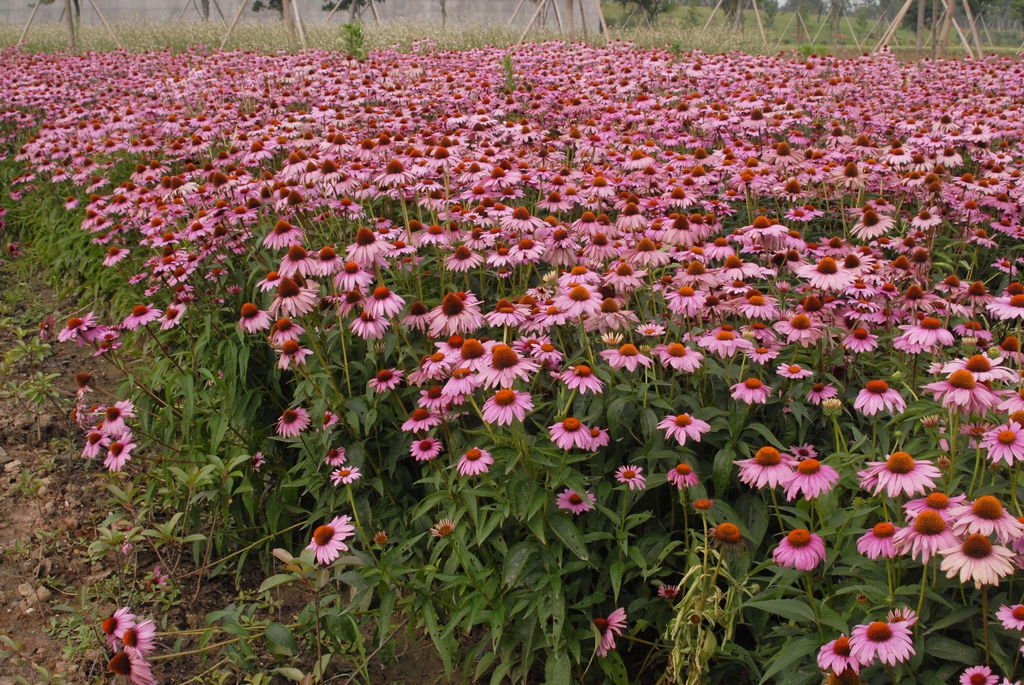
column 791, row 653
column 721, row 470
column 557, row 670
column 514, row 561
column 616, row 576
column 274, row 581
column 280, row 640
column 614, row 668
column 569, row 535
column 791, row 609
column 290, row 673
column 951, row 650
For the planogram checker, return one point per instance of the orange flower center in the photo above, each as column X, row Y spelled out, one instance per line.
column 768, row 456
column 884, row 530
column 962, row 379
column 900, row 463
column 977, row 546
column 988, row 508
column 799, row 538
column 809, row 467
column 929, row 523
column 879, row 631
column 323, row 535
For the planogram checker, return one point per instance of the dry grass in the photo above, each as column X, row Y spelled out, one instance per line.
column 272, row 35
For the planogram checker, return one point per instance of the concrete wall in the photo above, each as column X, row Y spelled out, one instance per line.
column 459, row 11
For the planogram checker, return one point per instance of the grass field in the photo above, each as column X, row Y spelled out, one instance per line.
column 682, row 28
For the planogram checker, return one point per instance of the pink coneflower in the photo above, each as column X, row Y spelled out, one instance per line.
column 979, row 675
column 345, row 475
column 369, row 326
column 927, row 335
column 1012, row 617
column 383, row 303
column 114, row 626
column 425, row 450
column 683, row 426
column 421, row 420
column 292, row 422
column 986, row 515
column 678, row 356
column 899, row 474
column 503, row 366
column 630, row 475
column 253, row 319
column 668, row 591
column 298, row 261
column 878, row 541
column 876, row 396
column 962, row 391
column 474, row 462
column 386, row 379
column 329, row 540
column 114, row 418
column 142, row 638
column 257, row 461
column 751, row 391
column 284, row 330
column 119, row 452
column 800, row 329
column 141, row 315
column 925, row 537
column 793, row 371
column 811, row 479
column 293, row 300
column 835, row 656
column 891, row 643
column 570, row 433
column 282, row 235
column 1010, row 307
column 505, row 405
column 574, row 502
column 442, row 528
column 725, row 343
column 769, row 467
column 820, row 392
column 95, row 441
column 977, row 559
column 682, row 476
column 78, row 329
column 609, row 628
column 801, row 550
column 335, row 456
column 581, row 377
column 826, row 275
column 627, row 356
column 860, row 340
column 939, row 502
column 459, row 313
column 129, row 663
column 292, row 353
column 1005, row 443
column 368, row 251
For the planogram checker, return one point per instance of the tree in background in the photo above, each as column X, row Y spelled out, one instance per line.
column 651, row 8
column 769, row 10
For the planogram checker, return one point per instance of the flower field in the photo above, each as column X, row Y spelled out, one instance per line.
column 586, row 364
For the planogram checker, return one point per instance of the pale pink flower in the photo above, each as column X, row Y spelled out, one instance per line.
column 474, row 462
column 890, row 643
column 899, row 474
column 876, row 396
column 329, row 540
column 835, row 656
column 630, row 475
column 577, row 504
column 682, row 476
column 801, row 550
column 977, row 559
column 345, row 475
column 609, row 628
column 811, row 479
column 878, row 541
column 292, row 422
column 505, row 405
column 751, row 391
column 769, row 467
column 627, row 356
column 683, row 426
column 570, row 433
